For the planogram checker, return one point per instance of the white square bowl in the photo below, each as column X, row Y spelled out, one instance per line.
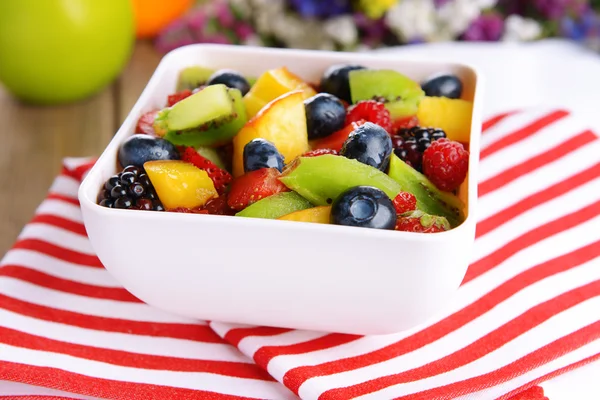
column 280, row 273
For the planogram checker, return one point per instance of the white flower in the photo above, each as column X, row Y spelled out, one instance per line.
column 412, row 19
column 342, row 30
column 517, row 28
column 457, row 15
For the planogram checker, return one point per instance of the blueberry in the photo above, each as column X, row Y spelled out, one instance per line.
column 325, row 114
column 370, row 144
column 443, row 86
column 364, row 206
column 138, row 149
column 231, row 79
column 260, row 153
column 335, row 80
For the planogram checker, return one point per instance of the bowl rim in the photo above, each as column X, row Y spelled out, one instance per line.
column 108, row 154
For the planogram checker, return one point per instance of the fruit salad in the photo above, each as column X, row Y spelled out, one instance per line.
column 364, row 147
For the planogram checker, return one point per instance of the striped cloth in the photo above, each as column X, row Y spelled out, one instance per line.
column 528, row 308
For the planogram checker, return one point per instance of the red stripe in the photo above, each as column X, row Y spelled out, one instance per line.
column 532, row 393
column 551, row 375
column 59, row 379
column 267, row 353
column 530, row 165
column 201, row 333
column 77, row 172
column 530, row 238
column 59, row 222
column 522, row 133
column 496, row 120
column 67, row 286
column 62, row 197
column 17, row 338
column 552, row 192
column 236, row 335
column 61, row 253
column 297, row 376
column 485, row 345
column 541, row 356
column 35, row 397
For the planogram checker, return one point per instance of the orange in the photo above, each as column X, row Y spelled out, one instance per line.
column 152, row 16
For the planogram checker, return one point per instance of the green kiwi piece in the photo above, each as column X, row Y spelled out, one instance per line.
column 322, row 179
column 275, row 206
column 212, row 155
column 215, row 133
column 192, row 77
column 429, row 198
column 400, row 94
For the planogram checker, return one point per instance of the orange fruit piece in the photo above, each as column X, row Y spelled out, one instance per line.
column 152, row 16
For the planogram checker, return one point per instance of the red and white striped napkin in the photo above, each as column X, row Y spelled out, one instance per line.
column 528, row 309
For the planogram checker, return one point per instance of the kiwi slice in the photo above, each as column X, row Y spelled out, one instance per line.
column 212, row 155
column 322, row 179
column 276, row 206
column 429, row 198
column 400, row 94
column 212, row 133
column 192, row 77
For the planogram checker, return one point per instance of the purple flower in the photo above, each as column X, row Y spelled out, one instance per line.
column 488, row 27
column 556, row 9
column 321, row 8
column 582, row 28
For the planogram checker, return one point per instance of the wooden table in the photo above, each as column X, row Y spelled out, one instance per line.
column 36, row 139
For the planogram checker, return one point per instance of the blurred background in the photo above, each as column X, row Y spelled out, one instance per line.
column 70, row 70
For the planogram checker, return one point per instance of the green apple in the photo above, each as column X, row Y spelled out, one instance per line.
column 58, row 51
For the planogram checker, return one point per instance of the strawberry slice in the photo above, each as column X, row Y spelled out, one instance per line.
column 336, row 140
column 218, row 206
column 319, row 152
column 144, row 124
column 177, row 97
column 405, row 123
column 253, row 186
column 220, row 177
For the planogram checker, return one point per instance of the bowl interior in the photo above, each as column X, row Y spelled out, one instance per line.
column 309, row 65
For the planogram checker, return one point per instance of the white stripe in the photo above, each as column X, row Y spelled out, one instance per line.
column 8, row 388
column 222, row 329
column 541, row 252
column 66, row 186
column 501, row 314
column 189, row 380
column 28, row 292
column 538, row 216
column 512, row 124
column 553, row 329
column 60, row 209
column 538, row 180
column 553, row 247
column 57, row 236
column 532, row 146
column 575, row 391
column 59, row 268
column 157, row 346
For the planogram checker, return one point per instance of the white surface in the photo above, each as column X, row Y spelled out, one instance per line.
column 555, row 73
column 246, row 286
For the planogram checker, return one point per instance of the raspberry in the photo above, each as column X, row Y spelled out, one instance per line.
column 220, row 177
column 319, row 152
column 405, row 202
column 177, row 97
column 418, row 221
column 446, row 163
column 370, row 111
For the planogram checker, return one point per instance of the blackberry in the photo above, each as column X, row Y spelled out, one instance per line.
column 410, row 144
column 130, row 189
